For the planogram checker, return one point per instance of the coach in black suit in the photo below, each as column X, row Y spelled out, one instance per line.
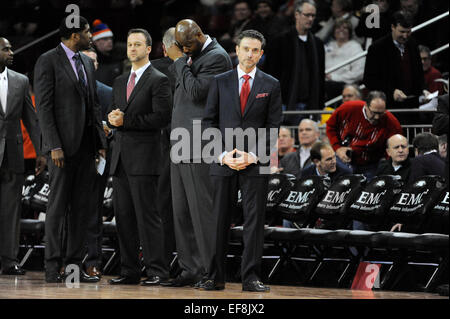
column 69, row 116
column 195, row 65
column 15, row 104
column 245, row 98
column 141, row 107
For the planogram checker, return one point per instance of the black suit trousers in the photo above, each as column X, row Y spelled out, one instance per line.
column 138, row 223
column 10, row 194
column 254, row 196
column 71, row 188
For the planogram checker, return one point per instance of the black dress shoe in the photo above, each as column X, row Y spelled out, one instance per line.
column 212, row 285
column 152, row 281
column 255, row 286
column 123, row 280
column 53, row 277
column 179, row 281
column 84, row 277
column 15, row 270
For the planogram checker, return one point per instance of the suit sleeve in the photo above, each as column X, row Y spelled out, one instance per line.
column 196, row 86
column 44, row 82
column 30, row 120
column 273, row 117
column 373, row 78
column 160, row 117
column 211, row 115
column 441, row 118
column 98, row 117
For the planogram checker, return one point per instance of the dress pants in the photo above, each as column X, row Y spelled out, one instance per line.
column 10, row 207
column 254, row 197
column 69, row 206
column 194, row 219
column 138, row 223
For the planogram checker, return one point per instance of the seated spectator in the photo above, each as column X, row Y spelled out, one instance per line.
column 293, row 163
column 285, row 142
column 340, row 50
column 266, row 21
column 398, row 162
column 358, row 132
column 110, row 55
column 242, row 14
column 324, row 163
column 393, row 66
column 427, row 160
column 350, row 92
column 430, row 72
column 341, row 10
column 443, row 146
column 371, row 34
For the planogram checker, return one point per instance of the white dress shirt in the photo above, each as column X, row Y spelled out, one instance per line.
column 4, row 89
column 139, row 73
column 304, row 153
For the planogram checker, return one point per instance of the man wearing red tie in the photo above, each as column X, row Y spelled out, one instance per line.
column 141, row 108
column 248, row 99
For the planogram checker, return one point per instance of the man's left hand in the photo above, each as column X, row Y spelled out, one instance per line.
column 102, row 152
column 245, row 159
column 174, row 52
column 41, row 162
column 116, row 118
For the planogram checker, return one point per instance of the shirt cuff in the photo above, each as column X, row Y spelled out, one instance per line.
column 221, row 156
column 256, row 158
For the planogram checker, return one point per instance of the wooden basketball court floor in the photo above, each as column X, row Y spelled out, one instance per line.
column 33, row 286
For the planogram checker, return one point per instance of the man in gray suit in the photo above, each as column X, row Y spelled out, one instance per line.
column 15, row 104
column 69, row 116
column 197, row 58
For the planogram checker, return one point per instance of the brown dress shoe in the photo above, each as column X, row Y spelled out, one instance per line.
column 93, row 271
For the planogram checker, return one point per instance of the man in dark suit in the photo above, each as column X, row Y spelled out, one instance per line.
column 164, row 192
column 398, row 162
column 197, row 58
column 15, row 104
column 393, row 66
column 141, row 108
column 69, row 116
column 324, row 163
column 94, row 224
column 440, row 123
column 427, row 160
column 259, row 108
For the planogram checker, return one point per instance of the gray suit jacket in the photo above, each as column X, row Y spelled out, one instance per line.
column 191, row 89
column 291, row 164
column 18, row 106
column 61, row 108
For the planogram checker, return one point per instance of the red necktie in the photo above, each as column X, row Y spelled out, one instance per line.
column 130, row 85
column 245, row 91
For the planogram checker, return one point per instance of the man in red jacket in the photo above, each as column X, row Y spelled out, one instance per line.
column 358, row 132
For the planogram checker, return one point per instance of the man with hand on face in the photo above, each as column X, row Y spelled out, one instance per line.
column 197, row 58
column 241, row 164
column 398, row 162
column 142, row 102
column 69, row 116
column 15, row 104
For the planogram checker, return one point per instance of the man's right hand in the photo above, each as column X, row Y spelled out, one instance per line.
column 342, row 154
column 399, row 96
column 58, row 158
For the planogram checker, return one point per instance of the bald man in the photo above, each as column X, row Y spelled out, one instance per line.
column 398, row 162
column 197, row 58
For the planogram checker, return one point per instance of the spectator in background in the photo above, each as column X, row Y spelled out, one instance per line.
column 293, row 163
column 350, row 92
column 297, row 59
column 427, row 160
column 242, row 14
column 393, row 66
column 341, row 10
column 430, row 72
column 324, row 163
column 340, row 50
column 358, row 132
column 266, row 21
column 372, row 34
column 110, row 55
column 443, row 146
column 440, row 123
column 398, row 163
column 285, row 142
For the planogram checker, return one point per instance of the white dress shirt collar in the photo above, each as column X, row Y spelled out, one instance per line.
column 242, row 73
column 4, row 89
column 4, row 74
column 207, row 42
column 139, row 72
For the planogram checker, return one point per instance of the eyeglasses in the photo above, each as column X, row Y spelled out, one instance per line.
column 376, row 113
column 309, row 15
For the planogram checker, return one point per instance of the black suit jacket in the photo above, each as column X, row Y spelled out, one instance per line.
column 429, row 164
column 341, row 170
column 441, row 122
column 291, row 164
column 382, row 69
column 61, row 108
column 137, row 142
column 263, row 110
column 385, row 168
